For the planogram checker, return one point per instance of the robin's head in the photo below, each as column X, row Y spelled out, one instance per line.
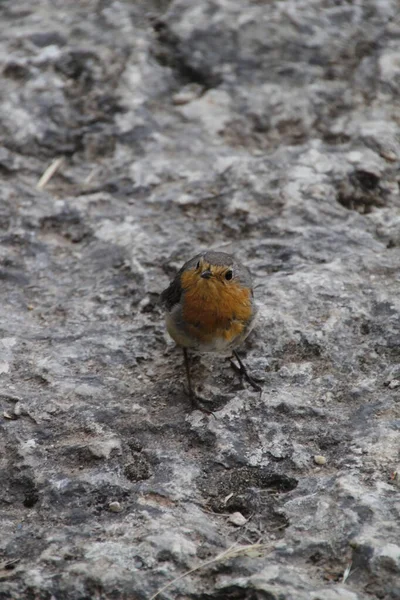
column 215, row 272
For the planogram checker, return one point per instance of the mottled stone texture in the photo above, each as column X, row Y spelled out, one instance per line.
column 270, row 128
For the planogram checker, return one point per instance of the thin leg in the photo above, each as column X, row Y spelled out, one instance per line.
column 241, row 369
column 193, row 398
column 187, row 367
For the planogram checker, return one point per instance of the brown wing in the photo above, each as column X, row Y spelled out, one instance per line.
column 172, row 294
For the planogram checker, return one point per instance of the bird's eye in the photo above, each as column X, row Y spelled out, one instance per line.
column 229, row 275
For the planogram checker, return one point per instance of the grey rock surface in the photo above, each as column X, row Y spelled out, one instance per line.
column 267, row 128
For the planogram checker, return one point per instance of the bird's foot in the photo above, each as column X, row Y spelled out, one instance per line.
column 200, row 403
column 242, row 371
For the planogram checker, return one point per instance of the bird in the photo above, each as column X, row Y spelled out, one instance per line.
column 210, row 307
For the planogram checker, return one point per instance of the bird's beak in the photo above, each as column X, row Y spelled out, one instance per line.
column 206, row 274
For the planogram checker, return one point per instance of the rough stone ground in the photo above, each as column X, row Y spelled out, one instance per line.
column 270, row 128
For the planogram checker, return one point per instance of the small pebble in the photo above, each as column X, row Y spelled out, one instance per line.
column 319, row 459
column 17, row 409
column 355, row 156
column 237, row 519
column 393, row 384
column 389, row 155
column 187, row 94
column 115, row 507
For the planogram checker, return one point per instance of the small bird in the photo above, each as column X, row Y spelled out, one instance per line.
column 210, row 308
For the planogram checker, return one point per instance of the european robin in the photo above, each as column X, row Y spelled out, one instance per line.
column 210, row 308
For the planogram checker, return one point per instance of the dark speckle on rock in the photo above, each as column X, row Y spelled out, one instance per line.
column 138, row 469
column 47, row 38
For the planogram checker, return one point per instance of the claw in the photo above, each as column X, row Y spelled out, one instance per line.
column 197, row 404
column 241, row 369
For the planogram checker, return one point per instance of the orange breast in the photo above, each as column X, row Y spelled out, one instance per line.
column 212, row 308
